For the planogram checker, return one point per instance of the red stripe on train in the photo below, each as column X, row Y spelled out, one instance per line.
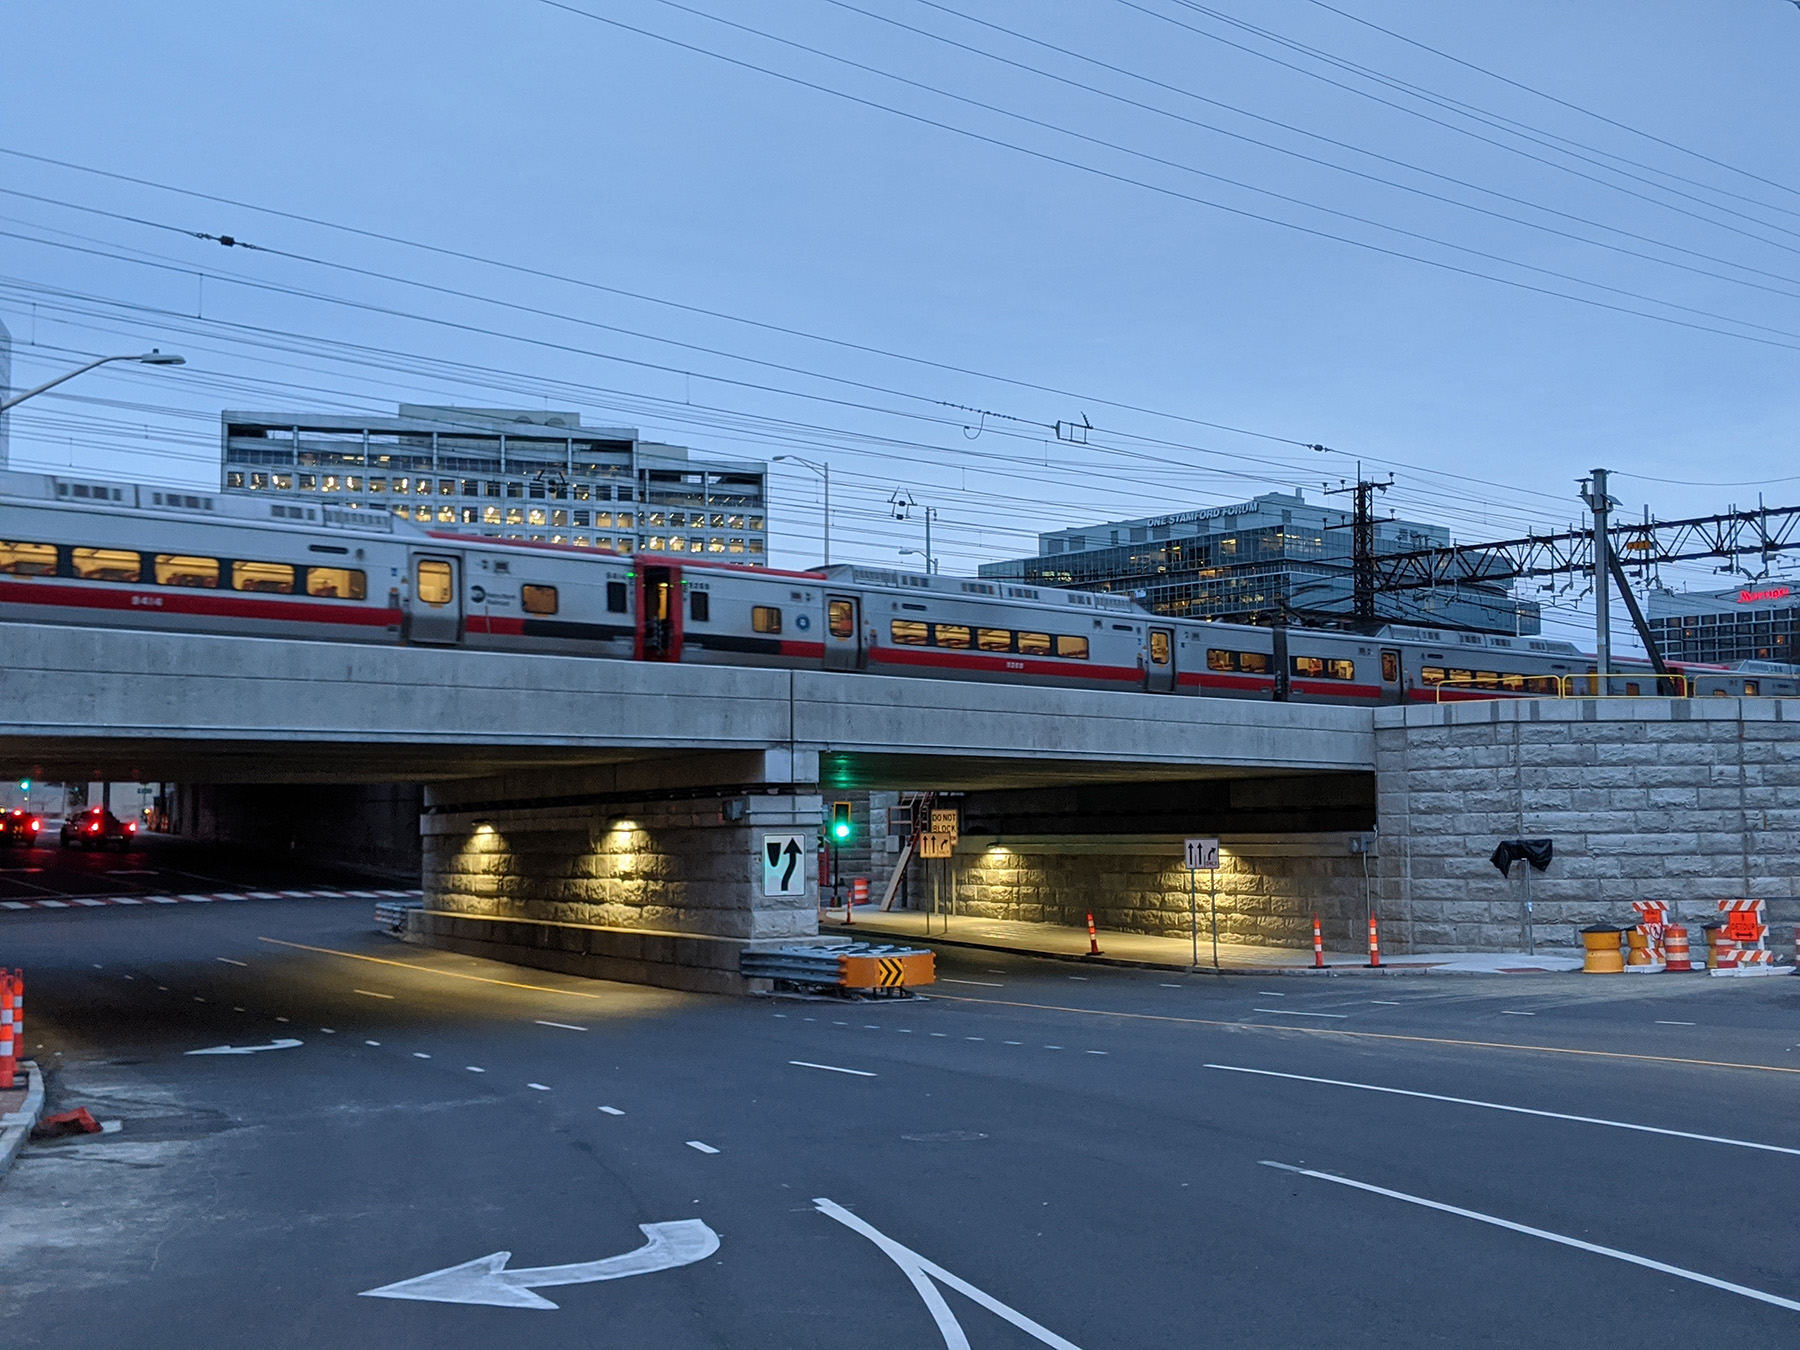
column 179, row 600
column 943, row 660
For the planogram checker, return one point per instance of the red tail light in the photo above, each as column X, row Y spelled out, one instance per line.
column 93, row 829
column 131, row 827
column 36, row 825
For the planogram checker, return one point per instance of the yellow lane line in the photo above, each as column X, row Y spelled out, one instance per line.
column 1372, row 1035
column 428, row 970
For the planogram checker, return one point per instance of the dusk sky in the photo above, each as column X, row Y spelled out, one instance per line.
column 926, row 233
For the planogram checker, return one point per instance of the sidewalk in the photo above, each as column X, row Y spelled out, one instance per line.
column 1138, row 949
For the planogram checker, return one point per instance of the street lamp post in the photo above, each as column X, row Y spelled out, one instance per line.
column 824, row 472
column 151, row 358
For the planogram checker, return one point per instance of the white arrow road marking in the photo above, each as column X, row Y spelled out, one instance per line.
column 487, row 1280
column 1558, row 1238
column 280, row 1043
column 922, row 1272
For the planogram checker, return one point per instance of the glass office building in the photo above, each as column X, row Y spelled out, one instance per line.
column 531, row 475
column 1276, row 558
column 1759, row 621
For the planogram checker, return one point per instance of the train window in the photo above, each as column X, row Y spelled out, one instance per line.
column 1487, row 679
column 955, row 635
column 274, row 578
column 1459, row 677
column 910, row 633
column 765, row 619
column 1253, row 663
column 1159, row 647
column 1340, row 670
column 106, row 564
column 27, row 560
column 173, row 569
column 1390, row 667
column 700, row 606
column 1541, row 684
column 1514, row 684
column 840, row 618
column 434, row 582
column 336, row 583
column 616, row 600
column 1034, row 644
column 1431, row 675
column 1217, row 659
column 1073, row 648
column 1750, row 688
column 994, row 639
column 1311, row 666
column 537, row 599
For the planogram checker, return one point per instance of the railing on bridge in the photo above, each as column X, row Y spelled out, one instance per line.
column 1471, row 684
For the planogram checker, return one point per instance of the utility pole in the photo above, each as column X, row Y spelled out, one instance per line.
column 1593, row 493
column 1362, row 548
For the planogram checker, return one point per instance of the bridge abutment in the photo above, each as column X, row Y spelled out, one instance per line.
column 650, row 873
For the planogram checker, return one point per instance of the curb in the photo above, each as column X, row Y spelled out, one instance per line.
column 15, row 1126
column 1181, row 967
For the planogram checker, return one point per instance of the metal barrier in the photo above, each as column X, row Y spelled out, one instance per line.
column 1585, row 685
column 391, row 914
column 874, row 966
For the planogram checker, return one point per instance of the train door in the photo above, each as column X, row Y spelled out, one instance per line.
column 659, row 612
column 1283, row 672
column 1159, row 672
column 843, row 632
column 434, row 610
column 1391, row 689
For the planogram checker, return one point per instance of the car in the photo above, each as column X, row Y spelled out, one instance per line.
column 20, row 828
column 97, row 827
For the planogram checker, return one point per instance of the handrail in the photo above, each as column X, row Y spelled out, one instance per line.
column 1591, row 680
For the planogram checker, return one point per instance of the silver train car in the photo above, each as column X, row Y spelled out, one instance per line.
column 107, row 553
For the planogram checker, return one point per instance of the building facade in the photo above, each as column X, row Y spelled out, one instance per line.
column 1759, row 621
column 532, row 475
column 1276, row 558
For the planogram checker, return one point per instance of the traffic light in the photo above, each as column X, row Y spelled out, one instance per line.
column 840, row 822
column 24, row 785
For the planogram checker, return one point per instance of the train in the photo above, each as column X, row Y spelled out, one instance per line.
column 82, row 550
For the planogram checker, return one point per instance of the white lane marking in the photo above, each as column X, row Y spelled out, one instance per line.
column 1286, row 1012
column 126, row 900
column 371, row 1042
column 164, row 900
column 871, row 1026
column 940, row 1034
column 1077, row 977
column 921, row 1273
column 198, row 999
column 284, row 1043
column 370, row 993
column 162, row 988
column 985, row 984
column 420, row 1054
column 1052, row 1047
column 328, row 1031
column 281, row 1019
column 1094, row 1052
column 703, row 1148
column 996, row 972
column 566, row 1026
column 1594, row 1247
column 228, row 961
column 474, row 1068
column 235, row 1008
column 829, row 1068
column 1168, row 986
column 1012, row 1042
column 974, row 1038
column 1270, row 993
column 612, row 1110
column 1512, row 1012
column 53, row 904
column 538, row 1087
column 89, row 904
column 14, row 904
column 1515, row 1110
column 906, row 1031
column 486, row 1280
column 1387, row 1002
column 1662, row 1023
column 781, row 1014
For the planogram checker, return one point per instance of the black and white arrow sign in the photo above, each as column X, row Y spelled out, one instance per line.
column 487, row 1280
column 782, row 872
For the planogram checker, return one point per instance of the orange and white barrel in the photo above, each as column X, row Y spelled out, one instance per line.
column 1677, row 957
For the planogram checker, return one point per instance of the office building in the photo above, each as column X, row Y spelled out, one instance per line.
column 531, row 475
column 1276, row 558
column 1758, row 621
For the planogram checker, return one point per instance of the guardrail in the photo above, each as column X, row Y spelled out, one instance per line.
column 877, row 967
column 1589, row 684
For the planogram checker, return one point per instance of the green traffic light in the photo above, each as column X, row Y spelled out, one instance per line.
column 840, row 821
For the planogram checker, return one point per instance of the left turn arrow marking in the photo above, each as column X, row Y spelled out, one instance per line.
column 282, row 1043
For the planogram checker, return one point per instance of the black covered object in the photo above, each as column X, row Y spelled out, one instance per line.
column 1534, row 851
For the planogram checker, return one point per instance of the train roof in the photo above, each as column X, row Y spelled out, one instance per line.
column 894, row 579
column 90, row 490
column 1450, row 637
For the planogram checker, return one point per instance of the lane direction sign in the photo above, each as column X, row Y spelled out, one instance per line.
column 486, row 1280
column 782, row 869
column 280, row 1043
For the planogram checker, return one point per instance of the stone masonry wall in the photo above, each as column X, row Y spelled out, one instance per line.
column 1268, row 891
column 680, row 866
column 1683, row 800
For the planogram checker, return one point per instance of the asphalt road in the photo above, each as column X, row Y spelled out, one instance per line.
column 1081, row 1153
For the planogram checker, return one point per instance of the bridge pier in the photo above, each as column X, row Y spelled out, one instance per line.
column 646, row 872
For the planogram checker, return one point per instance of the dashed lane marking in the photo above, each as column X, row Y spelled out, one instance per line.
column 829, row 1068
column 1168, row 986
column 566, row 1026
column 1295, row 1012
column 1093, row 1052
column 985, row 984
column 371, row 1042
column 1514, row 1012
column 1515, row 1110
column 612, row 1110
column 420, row 1054
column 703, row 1148
column 1630, row 1258
column 430, row 970
column 474, row 1068
column 1387, row 1002
column 538, row 1087
column 1291, row 1030
column 228, row 961
column 1662, row 1023
column 370, row 993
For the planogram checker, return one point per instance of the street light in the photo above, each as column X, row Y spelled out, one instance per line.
column 150, row 358
column 824, row 471
column 903, row 504
column 930, row 566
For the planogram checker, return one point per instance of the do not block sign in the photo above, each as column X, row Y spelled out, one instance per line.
column 782, row 872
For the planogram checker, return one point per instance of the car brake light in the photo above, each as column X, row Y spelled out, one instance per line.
column 36, row 825
column 93, row 829
column 131, row 827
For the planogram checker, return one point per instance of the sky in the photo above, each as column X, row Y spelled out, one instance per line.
column 1483, row 249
